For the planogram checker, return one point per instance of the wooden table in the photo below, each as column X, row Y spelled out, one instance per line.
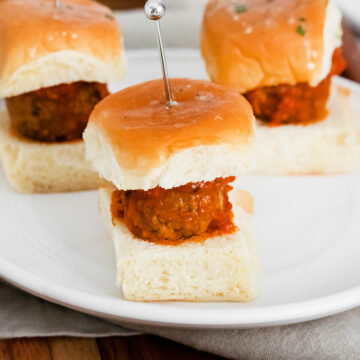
column 123, row 4
column 143, row 347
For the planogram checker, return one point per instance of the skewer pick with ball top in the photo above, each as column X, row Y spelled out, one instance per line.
column 155, row 10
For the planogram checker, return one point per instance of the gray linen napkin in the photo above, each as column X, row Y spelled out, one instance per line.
column 336, row 337
column 24, row 315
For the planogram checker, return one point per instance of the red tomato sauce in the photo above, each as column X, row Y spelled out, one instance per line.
column 295, row 104
column 192, row 212
column 57, row 113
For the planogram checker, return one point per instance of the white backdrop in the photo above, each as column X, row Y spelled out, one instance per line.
column 180, row 27
column 351, row 10
column 182, row 23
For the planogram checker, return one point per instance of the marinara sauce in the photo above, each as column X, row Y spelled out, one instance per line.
column 295, row 104
column 57, row 113
column 192, row 212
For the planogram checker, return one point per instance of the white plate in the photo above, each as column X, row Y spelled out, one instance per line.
column 308, row 231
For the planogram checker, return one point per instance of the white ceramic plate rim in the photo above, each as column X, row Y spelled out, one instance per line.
column 162, row 314
column 136, row 313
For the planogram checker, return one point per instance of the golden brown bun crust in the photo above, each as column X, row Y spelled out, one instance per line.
column 258, row 44
column 30, row 30
column 142, row 130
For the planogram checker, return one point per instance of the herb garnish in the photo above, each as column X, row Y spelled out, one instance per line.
column 240, row 9
column 108, row 16
column 302, row 19
column 300, row 30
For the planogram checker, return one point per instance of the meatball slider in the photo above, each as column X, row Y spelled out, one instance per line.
column 281, row 55
column 180, row 232
column 54, row 66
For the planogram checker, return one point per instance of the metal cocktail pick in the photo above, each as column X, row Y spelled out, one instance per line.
column 155, row 10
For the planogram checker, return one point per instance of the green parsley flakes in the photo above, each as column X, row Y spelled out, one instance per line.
column 240, row 9
column 300, row 30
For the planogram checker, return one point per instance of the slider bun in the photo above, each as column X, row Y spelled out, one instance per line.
column 223, row 268
column 34, row 167
column 42, row 46
column 136, row 142
column 330, row 146
column 259, row 45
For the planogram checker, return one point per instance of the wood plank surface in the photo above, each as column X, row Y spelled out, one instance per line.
column 351, row 51
column 73, row 348
column 123, row 4
column 5, row 353
column 26, row 349
column 143, row 347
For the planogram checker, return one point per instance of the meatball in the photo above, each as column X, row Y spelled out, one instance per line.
column 55, row 114
column 286, row 104
column 294, row 104
column 194, row 211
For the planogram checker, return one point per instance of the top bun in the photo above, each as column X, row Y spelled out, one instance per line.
column 255, row 43
column 42, row 46
column 136, row 141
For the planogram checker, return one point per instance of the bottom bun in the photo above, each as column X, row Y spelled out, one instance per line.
column 35, row 167
column 223, row 268
column 330, row 146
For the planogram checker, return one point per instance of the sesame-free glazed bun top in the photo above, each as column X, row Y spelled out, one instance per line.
column 137, row 142
column 43, row 46
column 255, row 43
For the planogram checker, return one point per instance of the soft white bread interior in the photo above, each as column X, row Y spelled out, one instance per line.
column 35, row 167
column 42, row 46
column 223, row 268
column 327, row 147
column 200, row 163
